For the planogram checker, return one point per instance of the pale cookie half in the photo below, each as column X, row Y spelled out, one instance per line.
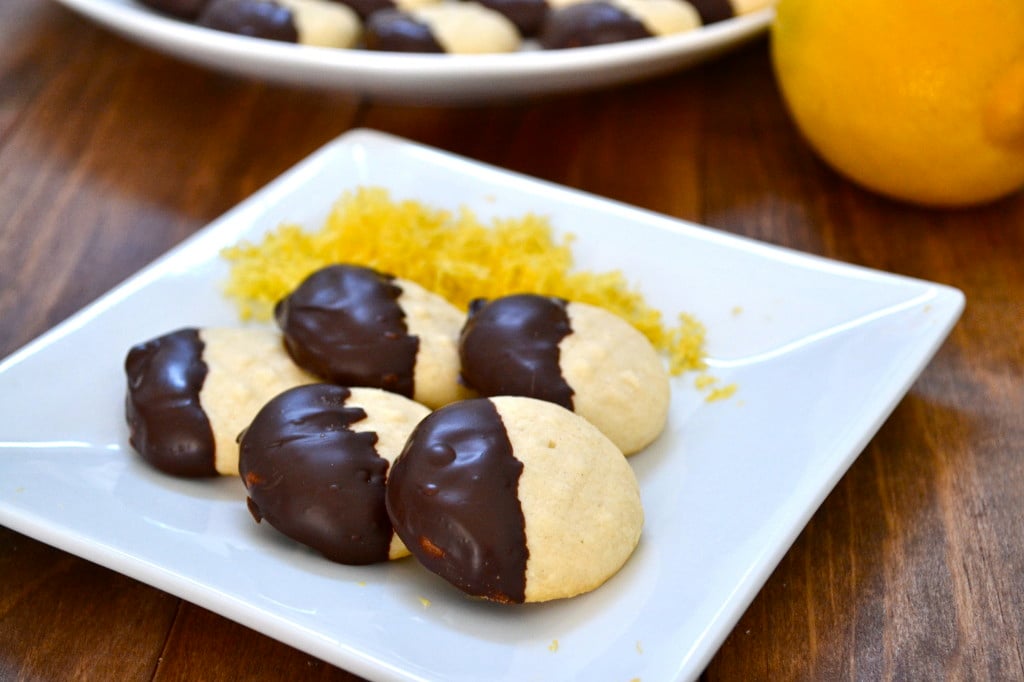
column 515, row 500
column 436, row 323
column 580, row 499
column 324, row 24
column 247, row 367
column 620, row 383
column 315, row 462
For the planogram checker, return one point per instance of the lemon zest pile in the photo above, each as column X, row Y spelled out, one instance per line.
column 454, row 255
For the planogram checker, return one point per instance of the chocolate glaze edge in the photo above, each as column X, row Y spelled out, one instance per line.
column 314, row 478
column 712, row 11
column 584, row 24
column 510, row 346
column 167, row 424
column 254, row 18
column 344, row 324
column 453, row 500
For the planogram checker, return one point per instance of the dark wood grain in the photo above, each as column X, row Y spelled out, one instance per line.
column 913, row 567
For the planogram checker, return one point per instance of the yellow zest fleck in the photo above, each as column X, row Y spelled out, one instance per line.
column 706, row 383
column 452, row 254
column 553, row 647
column 721, row 393
column 425, row 602
column 639, row 648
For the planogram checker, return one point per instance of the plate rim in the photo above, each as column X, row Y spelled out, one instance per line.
column 421, row 76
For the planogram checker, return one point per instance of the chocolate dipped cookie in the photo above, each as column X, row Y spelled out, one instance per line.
column 354, row 326
column 315, row 462
column 579, row 356
column 308, row 22
column 600, row 22
column 453, row 28
column 515, row 500
column 192, row 391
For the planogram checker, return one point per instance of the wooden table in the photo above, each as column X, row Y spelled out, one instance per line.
column 913, row 567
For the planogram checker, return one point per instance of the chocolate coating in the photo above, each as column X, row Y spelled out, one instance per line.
column 344, row 324
column 527, row 15
column 711, row 11
column 315, row 479
column 452, row 498
column 167, row 425
column 509, row 346
column 589, row 23
column 185, row 9
column 255, row 18
column 364, row 8
column 393, row 30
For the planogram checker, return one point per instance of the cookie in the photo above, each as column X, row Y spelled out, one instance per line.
column 308, row 22
column 355, row 326
column 315, row 462
column 515, row 500
column 599, row 22
column 192, row 391
column 579, row 356
column 453, row 28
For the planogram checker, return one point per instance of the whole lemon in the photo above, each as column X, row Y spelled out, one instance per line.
column 921, row 101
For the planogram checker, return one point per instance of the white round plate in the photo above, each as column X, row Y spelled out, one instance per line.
column 427, row 78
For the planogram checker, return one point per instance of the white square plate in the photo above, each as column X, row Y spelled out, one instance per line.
column 821, row 353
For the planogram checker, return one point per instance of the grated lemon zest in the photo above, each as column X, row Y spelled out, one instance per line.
column 454, row 255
